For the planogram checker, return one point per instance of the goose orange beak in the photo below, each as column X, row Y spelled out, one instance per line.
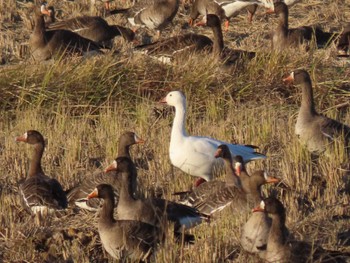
column 289, row 78
column 272, row 180
column 163, row 100
column 93, row 194
column 258, row 209
column 111, row 167
column 270, row 11
column 22, row 138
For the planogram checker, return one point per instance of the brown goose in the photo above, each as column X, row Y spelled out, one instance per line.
column 280, row 248
column 123, row 239
column 45, row 44
column 243, row 196
column 203, row 190
column 178, row 45
column 255, row 231
column 156, row 15
column 40, row 193
column 94, row 28
column 152, row 210
column 284, row 36
column 77, row 195
column 313, row 129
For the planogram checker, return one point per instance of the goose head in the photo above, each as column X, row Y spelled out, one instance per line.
column 280, row 8
column 174, row 98
column 31, row 137
column 130, row 138
column 101, row 191
column 297, row 77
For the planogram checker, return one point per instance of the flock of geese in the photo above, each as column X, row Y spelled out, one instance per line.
column 131, row 226
column 86, row 34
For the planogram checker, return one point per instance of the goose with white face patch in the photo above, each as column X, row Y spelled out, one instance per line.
column 40, row 193
column 195, row 155
column 315, row 131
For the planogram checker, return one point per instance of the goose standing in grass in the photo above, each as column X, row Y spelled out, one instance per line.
column 123, row 239
column 194, row 154
column 284, row 36
column 77, row 194
column 154, row 211
column 280, row 247
column 45, row 44
column 313, row 129
column 40, row 193
column 94, row 28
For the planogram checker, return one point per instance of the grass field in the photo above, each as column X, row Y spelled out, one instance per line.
column 82, row 106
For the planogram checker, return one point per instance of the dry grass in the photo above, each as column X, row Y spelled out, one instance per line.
column 83, row 105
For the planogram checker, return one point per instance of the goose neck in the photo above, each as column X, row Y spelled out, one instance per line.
column 35, row 163
column 126, row 190
column 218, row 45
column 283, row 19
column 178, row 130
column 39, row 28
column 276, row 235
column 307, row 101
column 106, row 213
column 124, row 150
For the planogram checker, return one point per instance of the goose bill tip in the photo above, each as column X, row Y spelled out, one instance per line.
column 93, row 194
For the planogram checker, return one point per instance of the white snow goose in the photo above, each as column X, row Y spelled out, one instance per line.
column 195, row 155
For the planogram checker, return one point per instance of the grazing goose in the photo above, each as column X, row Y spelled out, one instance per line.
column 77, row 194
column 40, row 193
column 313, row 129
column 94, row 28
column 284, row 36
column 243, row 197
column 123, row 239
column 45, row 44
column 152, row 210
column 193, row 154
column 156, row 15
column 280, row 248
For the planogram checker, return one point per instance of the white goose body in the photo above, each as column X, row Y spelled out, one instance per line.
column 232, row 8
column 194, row 154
